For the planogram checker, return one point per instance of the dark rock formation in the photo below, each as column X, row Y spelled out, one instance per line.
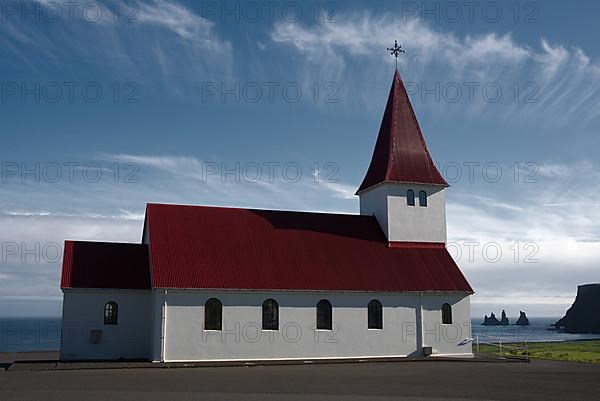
column 522, row 321
column 490, row 321
column 493, row 320
column 584, row 315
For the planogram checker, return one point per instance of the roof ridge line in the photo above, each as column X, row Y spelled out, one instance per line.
column 256, row 209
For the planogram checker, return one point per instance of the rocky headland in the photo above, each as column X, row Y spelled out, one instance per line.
column 583, row 316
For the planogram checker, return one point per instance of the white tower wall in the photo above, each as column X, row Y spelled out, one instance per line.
column 404, row 223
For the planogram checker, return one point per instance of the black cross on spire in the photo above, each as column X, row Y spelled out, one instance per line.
column 396, row 50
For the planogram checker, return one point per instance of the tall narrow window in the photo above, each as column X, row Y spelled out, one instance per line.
column 111, row 313
column 270, row 315
column 410, row 197
column 375, row 315
column 324, row 315
column 213, row 314
column 422, row 198
column 446, row 314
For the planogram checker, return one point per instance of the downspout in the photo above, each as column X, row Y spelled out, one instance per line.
column 163, row 336
column 420, row 323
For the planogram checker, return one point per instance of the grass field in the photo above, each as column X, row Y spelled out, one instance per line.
column 576, row 351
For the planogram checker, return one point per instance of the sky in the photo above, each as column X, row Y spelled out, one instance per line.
column 108, row 105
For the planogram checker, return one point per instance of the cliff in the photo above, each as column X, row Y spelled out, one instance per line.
column 583, row 315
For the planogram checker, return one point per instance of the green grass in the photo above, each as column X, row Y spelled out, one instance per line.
column 574, row 351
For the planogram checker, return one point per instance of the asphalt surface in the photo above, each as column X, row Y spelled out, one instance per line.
column 408, row 381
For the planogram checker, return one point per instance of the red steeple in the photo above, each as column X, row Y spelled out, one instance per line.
column 400, row 154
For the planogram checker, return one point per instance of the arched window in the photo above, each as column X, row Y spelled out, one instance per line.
column 213, row 313
column 422, row 198
column 270, row 315
column 410, row 197
column 446, row 314
column 375, row 315
column 324, row 315
column 111, row 313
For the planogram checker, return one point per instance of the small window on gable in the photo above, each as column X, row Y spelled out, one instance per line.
column 410, row 197
column 375, row 315
column 324, row 315
column 422, row 198
column 213, row 314
column 270, row 315
column 446, row 314
column 111, row 313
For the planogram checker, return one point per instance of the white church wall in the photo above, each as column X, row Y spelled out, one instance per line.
column 447, row 339
column 242, row 337
column 83, row 311
column 374, row 202
column 401, row 222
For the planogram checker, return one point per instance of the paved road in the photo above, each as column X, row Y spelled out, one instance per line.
column 408, row 381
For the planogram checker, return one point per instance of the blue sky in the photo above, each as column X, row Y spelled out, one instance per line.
column 172, row 95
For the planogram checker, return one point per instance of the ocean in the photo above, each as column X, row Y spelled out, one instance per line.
column 537, row 331
column 43, row 334
column 30, row 334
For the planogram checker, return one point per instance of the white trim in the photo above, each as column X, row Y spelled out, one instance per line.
column 302, row 291
column 399, row 182
column 461, row 355
column 292, row 359
column 162, row 289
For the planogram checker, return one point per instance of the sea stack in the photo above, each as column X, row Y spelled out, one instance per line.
column 522, row 321
column 583, row 317
column 490, row 321
column 504, row 319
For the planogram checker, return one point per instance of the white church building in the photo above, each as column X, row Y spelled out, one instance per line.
column 230, row 284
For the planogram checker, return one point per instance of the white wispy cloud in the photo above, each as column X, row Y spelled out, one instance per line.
column 562, row 170
column 174, row 163
column 158, row 44
column 563, row 82
column 339, row 190
column 167, row 14
column 363, row 35
column 552, row 58
column 343, row 191
column 124, row 214
column 176, row 18
column 205, row 184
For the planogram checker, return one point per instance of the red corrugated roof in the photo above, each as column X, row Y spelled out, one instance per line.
column 229, row 248
column 105, row 265
column 400, row 154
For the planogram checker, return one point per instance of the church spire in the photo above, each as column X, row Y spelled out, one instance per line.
column 400, row 154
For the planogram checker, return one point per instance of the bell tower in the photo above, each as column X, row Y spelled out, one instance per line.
column 403, row 188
